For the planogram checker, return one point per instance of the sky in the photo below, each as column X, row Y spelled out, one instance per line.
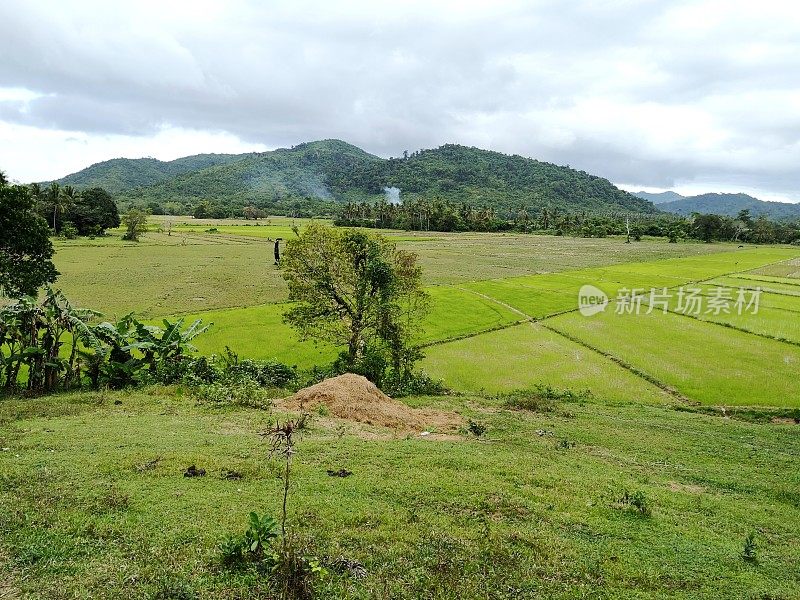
column 693, row 96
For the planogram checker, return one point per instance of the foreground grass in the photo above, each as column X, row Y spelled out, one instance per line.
column 93, row 502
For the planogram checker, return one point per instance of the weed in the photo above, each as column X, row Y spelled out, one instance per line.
column 476, row 428
column 564, row 444
column 541, row 398
column 750, row 547
column 636, row 501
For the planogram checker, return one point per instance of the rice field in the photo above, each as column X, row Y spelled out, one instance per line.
column 480, row 335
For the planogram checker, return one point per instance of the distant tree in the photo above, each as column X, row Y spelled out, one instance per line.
column 135, row 221
column 252, row 212
column 94, row 212
column 708, row 227
column 745, row 217
column 356, row 290
column 25, row 247
column 202, row 210
column 3, row 179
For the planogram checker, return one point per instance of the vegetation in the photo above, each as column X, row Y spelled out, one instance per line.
column 94, row 501
column 135, row 222
column 354, row 289
column 51, row 345
column 25, row 250
column 89, row 212
column 309, row 178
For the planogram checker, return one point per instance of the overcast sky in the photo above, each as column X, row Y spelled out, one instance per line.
column 694, row 96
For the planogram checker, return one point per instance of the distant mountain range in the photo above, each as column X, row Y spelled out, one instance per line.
column 721, row 204
column 334, row 171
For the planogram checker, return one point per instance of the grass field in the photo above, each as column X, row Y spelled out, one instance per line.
column 94, row 504
column 227, row 278
column 191, row 270
column 695, row 417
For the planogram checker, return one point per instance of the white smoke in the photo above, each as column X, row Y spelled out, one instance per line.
column 392, row 195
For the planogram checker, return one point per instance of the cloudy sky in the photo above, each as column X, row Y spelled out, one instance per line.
column 694, row 96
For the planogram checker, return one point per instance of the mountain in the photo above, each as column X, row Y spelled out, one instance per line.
column 730, row 205
column 326, row 171
column 659, row 197
column 120, row 175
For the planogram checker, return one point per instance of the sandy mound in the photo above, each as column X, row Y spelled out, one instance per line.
column 356, row 398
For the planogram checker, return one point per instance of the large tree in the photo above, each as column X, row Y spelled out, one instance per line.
column 25, row 248
column 93, row 212
column 356, row 290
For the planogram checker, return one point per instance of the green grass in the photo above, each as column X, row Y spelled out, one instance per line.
column 516, row 515
column 706, row 362
column 191, row 270
column 526, row 355
column 259, row 331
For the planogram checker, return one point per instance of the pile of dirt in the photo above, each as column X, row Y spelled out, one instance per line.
column 356, row 398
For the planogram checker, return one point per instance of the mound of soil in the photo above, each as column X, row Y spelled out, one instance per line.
column 356, row 398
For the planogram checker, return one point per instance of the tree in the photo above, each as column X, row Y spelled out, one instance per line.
column 94, row 211
column 135, row 221
column 708, row 227
column 356, row 290
column 3, row 179
column 60, row 201
column 25, row 247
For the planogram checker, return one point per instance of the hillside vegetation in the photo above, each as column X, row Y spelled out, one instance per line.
column 333, row 170
column 729, row 205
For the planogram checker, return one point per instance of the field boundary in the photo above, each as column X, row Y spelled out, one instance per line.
column 624, row 364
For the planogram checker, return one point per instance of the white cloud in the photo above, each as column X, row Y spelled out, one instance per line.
column 660, row 93
column 33, row 154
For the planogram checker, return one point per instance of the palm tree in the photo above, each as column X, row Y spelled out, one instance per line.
column 53, row 198
column 61, row 199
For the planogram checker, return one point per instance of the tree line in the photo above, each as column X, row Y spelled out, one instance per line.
column 70, row 212
column 445, row 215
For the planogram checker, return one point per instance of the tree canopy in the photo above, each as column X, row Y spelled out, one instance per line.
column 25, row 249
column 357, row 290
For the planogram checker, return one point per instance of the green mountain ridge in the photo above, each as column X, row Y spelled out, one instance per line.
column 730, row 205
column 332, row 171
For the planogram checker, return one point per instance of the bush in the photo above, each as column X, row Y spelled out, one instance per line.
column 542, row 398
column 188, row 370
column 69, row 231
column 270, row 373
column 236, row 393
column 636, row 501
column 414, row 384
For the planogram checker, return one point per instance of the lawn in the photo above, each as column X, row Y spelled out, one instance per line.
column 93, row 503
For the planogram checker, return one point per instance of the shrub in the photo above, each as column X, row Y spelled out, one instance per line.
column 238, row 393
column 416, row 383
column 188, row 370
column 269, row 373
column 69, row 231
column 542, row 398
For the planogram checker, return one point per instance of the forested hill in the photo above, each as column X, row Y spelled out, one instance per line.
column 730, row 205
column 319, row 173
column 121, row 175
